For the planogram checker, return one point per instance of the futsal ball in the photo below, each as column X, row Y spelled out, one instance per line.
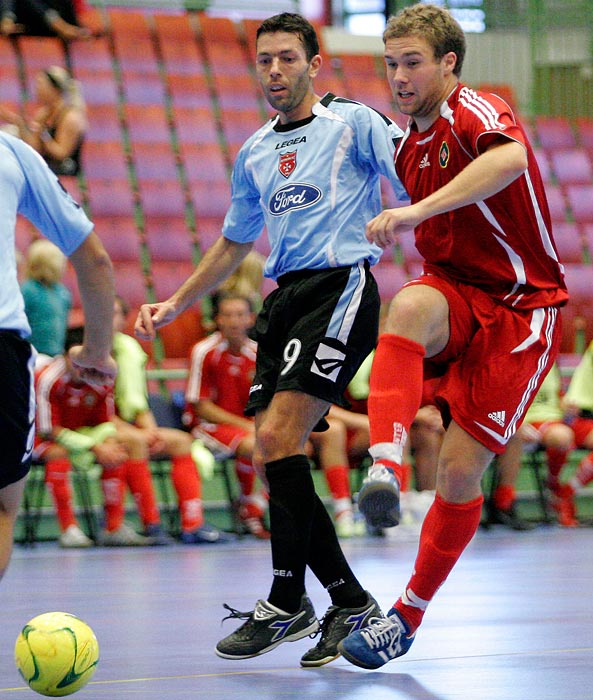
column 56, row 653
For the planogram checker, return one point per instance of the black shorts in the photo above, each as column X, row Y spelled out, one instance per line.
column 313, row 333
column 17, row 407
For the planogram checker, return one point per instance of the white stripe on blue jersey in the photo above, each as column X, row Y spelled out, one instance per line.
column 314, row 185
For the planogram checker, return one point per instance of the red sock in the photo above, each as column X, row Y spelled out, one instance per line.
column 57, row 478
column 584, row 473
column 139, row 482
column 245, row 476
column 393, row 405
column 404, row 476
column 188, row 487
column 446, row 532
column 556, row 458
column 504, row 497
column 338, row 481
column 114, row 488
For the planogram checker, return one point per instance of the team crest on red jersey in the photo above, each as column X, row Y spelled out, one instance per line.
column 444, row 155
column 287, row 163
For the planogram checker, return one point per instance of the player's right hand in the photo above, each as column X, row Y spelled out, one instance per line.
column 153, row 316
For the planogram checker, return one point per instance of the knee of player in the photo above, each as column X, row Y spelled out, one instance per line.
column 276, row 441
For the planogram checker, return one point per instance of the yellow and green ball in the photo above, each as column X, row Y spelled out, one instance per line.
column 56, row 653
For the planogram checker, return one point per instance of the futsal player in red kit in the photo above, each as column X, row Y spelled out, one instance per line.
column 484, row 315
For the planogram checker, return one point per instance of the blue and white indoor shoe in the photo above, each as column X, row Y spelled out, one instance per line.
column 384, row 639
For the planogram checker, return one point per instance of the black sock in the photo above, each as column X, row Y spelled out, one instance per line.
column 328, row 563
column 292, row 505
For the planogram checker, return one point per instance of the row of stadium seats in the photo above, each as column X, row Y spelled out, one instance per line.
column 171, row 97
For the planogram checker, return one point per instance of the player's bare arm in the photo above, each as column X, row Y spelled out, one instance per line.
column 218, row 263
column 488, row 174
column 95, row 280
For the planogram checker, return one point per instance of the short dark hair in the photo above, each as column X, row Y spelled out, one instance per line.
column 435, row 24
column 292, row 23
column 222, row 295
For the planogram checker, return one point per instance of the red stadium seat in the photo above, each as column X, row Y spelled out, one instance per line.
column 203, row 162
column 210, row 198
column 103, row 123
column 189, row 90
column 104, row 160
column 120, row 237
column 584, row 126
column 588, row 239
column 237, row 91
column 177, row 43
column 543, row 163
column 147, row 123
column 571, row 166
column 239, row 124
column 98, row 86
column 142, row 88
column 110, row 197
column 556, row 203
column 195, row 125
column 130, row 283
column 209, row 230
column 161, row 198
column 580, row 199
column 93, row 54
column 132, row 41
column 154, row 161
column 168, row 239
column 168, row 276
column 40, row 52
column 554, row 132
column 569, row 242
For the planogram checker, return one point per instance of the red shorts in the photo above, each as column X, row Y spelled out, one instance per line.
column 494, row 362
column 582, row 427
column 221, row 438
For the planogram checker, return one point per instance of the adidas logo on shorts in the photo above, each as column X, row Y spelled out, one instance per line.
column 498, row 417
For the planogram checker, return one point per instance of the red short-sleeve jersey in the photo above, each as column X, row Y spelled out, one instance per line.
column 62, row 402
column 503, row 244
column 219, row 375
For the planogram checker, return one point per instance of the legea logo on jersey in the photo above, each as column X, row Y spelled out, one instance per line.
column 290, row 197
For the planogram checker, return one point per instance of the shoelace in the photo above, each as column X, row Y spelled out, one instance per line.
column 325, row 622
column 235, row 614
column 384, row 632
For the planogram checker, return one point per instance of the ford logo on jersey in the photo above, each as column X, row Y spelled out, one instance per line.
column 295, row 196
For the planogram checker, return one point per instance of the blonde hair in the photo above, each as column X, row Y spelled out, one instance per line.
column 45, row 262
column 247, row 279
column 68, row 87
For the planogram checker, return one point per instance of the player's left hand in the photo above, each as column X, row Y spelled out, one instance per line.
column 92, row 370
column 385, row 228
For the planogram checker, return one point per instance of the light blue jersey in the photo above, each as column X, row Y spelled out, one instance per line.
column 28, row 186
column 315, row 185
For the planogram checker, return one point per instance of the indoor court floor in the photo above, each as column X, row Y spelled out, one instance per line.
column 513, row 622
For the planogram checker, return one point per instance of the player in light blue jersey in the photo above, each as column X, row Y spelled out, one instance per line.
column 311, row 177
column 28, row 187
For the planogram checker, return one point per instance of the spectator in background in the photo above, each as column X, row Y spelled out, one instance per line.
column 578, row 407
column 221, row 372
column 80, row 418
column 47, row 300
column 501, row 508
column 134, row 417
column 43, row 18
column 58, row 127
